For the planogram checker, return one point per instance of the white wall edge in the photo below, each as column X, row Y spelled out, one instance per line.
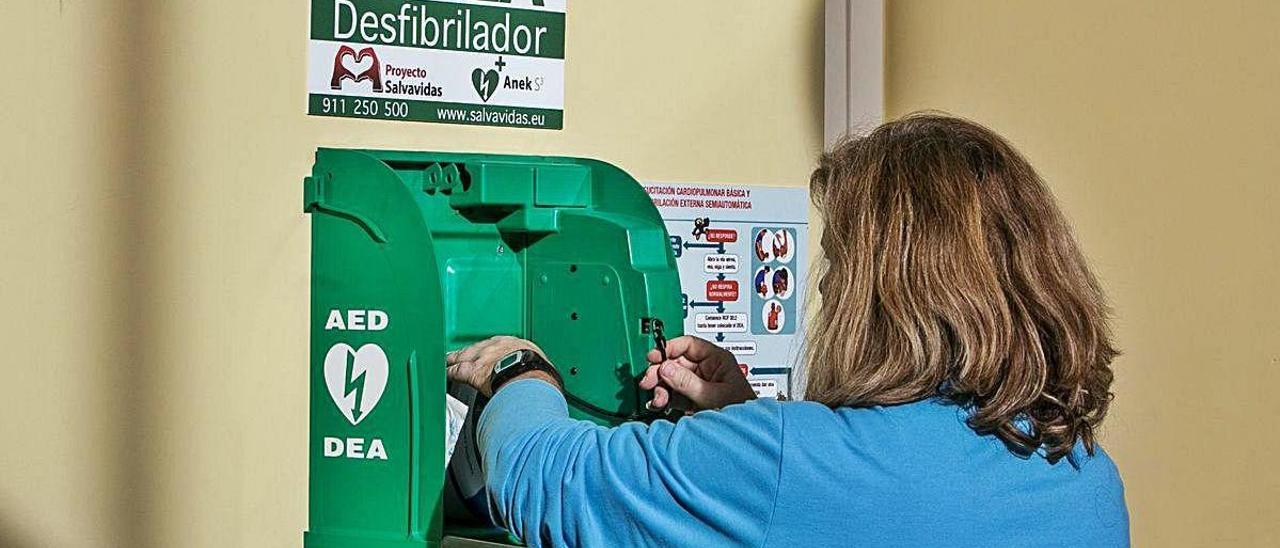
column 853, row 93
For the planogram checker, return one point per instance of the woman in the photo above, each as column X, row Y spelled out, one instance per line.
column 957, row 371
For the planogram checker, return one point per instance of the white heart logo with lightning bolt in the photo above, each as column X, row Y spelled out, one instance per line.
column 355, row 378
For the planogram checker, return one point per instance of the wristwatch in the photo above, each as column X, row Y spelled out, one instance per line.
column 518, row 363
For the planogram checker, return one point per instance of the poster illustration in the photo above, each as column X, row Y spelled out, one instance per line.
column 740, row 252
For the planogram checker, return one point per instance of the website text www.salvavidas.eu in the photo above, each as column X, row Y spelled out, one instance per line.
column 484, row 115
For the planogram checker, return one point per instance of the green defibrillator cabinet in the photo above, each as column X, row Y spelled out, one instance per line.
column 415, row 254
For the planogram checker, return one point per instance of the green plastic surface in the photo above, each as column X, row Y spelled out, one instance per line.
column 455, row 248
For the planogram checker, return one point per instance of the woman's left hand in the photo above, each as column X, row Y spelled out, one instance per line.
column 473, row 365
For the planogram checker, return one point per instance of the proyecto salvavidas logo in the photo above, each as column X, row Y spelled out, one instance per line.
column 349, row 64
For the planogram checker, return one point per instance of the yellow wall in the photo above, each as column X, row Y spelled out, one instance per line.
column 156, row 255
column 1158, row 126
column 63, row 288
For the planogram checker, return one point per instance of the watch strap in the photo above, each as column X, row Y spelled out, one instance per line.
column 518, row 363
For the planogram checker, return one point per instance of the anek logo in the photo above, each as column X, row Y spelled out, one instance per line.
column 358, row 67
column 488, row 81
column 356, row 379
column 485, row 81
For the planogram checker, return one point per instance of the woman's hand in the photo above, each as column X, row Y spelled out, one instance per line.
column 473, row 365
column 697, row 375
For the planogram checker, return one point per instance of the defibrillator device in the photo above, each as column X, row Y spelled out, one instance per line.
column 416, row 254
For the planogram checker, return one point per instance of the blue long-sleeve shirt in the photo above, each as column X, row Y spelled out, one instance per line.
column 794, row 474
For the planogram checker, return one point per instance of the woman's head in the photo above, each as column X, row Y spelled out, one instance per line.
column 950, row 271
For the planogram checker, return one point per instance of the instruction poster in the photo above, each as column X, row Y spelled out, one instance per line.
column 473, row 62
column 740, row 251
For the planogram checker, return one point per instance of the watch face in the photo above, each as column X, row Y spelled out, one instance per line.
column 508, row 361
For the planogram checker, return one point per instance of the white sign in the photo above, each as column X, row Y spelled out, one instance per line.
column 740, row 348
column 474, row 62
column 743, row 267
column 765, row 388
column 714, row 264
column 721, row 323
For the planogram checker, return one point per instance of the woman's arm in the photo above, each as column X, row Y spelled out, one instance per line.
column 708, row 480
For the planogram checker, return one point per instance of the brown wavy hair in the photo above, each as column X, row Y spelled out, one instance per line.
column 950, row 272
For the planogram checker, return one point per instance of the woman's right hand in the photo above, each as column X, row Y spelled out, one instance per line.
column 697, row 375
